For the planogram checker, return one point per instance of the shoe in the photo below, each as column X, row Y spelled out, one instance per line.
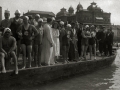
column 23, row 67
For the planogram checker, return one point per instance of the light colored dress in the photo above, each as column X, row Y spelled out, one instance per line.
column 47, row 49
column 56, row 41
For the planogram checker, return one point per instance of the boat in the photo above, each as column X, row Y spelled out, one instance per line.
column 41, row 75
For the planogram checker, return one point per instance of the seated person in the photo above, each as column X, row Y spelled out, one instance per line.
column 7, row 47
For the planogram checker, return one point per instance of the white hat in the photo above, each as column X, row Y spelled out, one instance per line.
column 7, row 11
column 44, row 19
column 26, row 17
column 6, row 29
column 61, row 22
column 17, row 12
column 92, row 26
column 37, row 15
column 53, row 18
column 87, row 26
column 40, row 20
column 68, row 25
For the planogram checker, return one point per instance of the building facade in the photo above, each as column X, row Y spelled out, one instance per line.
column 92, row 15
column 41, row 13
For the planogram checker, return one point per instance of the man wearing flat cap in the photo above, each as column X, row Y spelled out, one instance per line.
column 6, row 22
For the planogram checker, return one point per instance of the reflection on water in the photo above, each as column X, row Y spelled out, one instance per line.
column 105, row 79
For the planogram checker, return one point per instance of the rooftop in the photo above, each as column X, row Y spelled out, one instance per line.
column 42, row 12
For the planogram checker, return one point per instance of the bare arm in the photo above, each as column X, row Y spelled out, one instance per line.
column 83, row 35
column 1, row 49
column 13, row 45
column 35, row 31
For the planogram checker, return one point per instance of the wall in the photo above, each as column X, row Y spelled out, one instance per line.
column 0, row 13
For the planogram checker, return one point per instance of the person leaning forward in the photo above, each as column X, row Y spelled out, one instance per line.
column 7, row 49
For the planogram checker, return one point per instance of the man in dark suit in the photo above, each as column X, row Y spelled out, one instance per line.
column 109, row 41
column 101, row 39
column 79, row 36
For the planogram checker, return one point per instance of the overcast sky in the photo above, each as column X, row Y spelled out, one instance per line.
column 112, row 6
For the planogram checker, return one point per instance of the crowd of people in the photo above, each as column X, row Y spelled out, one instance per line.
column 45, row 40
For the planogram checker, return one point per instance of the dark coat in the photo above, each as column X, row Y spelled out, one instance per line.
column 109, row 38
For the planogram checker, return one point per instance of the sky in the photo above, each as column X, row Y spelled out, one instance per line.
column 111, row 6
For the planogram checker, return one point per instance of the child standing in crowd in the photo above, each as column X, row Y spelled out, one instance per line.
column 92, row 42
column 38, row 43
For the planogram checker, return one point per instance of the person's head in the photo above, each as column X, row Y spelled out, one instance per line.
column 109, row 30
column 7, row 14
column 40, row 21
column 49, row 20
column 102, row 28
column 37, row 17
column 92, row 28
column 69, row 26
column 61, row 23
column 53, row 18
column 55, row 25
column 86, row 26
column 73, row 25
column 25, row 19
column 7, row 32
column 17, row 14
column 30, row 17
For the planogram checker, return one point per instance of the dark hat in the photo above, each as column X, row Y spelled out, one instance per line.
column 30, row 17
column 49, row 19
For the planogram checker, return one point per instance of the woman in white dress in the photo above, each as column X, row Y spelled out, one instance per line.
column 56, row 48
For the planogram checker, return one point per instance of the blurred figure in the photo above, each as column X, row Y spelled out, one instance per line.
column 38, row 43
column 109, row 41
column 6, row 22
column 73, row 50
column 56, row 40
column 79, row 36
column 92, row 42
column 66, row 43
column 85, row 41
column 26, row 31
column 31, row 20
column 62, row 29
column 47, row 43
column 101, row 39
column 35, row 21
column 7, row 49
column 15, row 23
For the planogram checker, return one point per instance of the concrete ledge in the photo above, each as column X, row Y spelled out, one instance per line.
column 43, row 74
